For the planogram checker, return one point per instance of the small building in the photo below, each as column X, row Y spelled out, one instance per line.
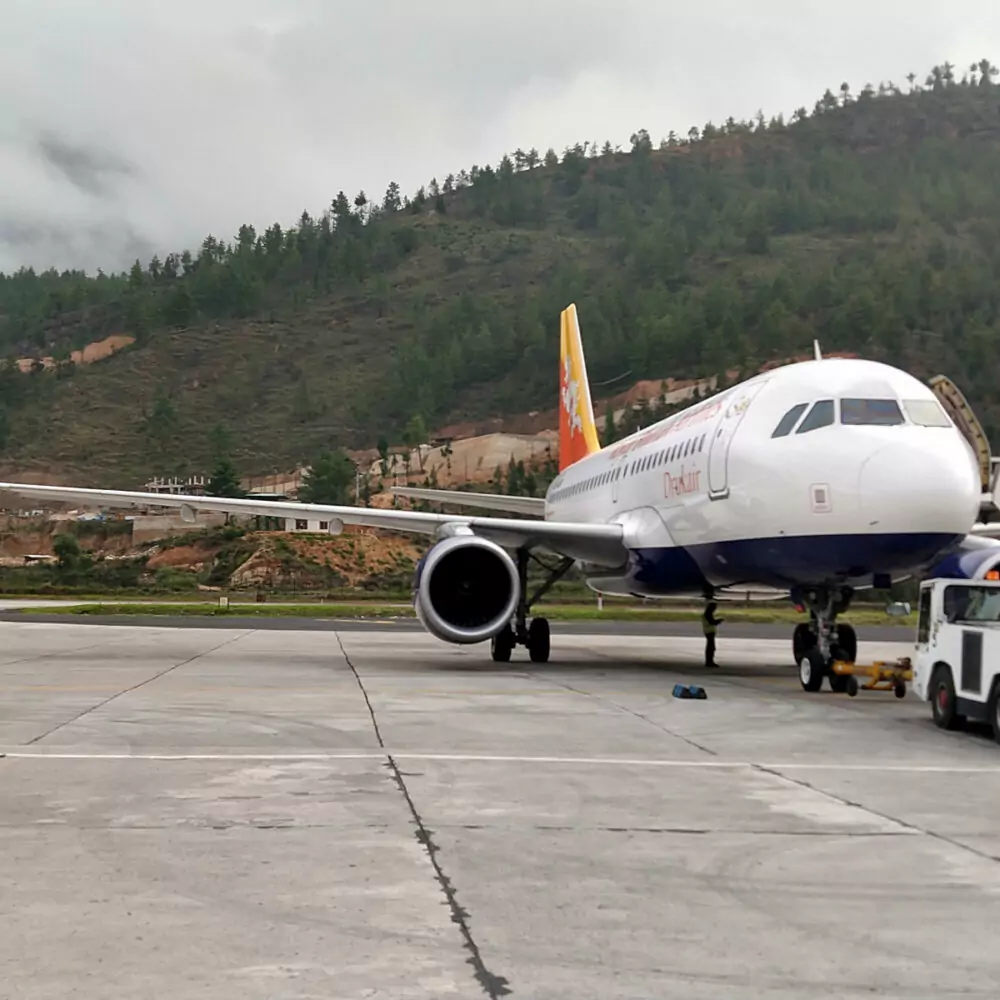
column 191, row 486
column 309, row 524
column 34, row 560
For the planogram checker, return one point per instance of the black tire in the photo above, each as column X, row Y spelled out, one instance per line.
column 502, row 645
column 803, row 639
column 839, row 682
column 812, row 670
column 847, row 643
column 538, row 640
column 942, row 697
column 899, row 689
column 994, row 711
column 852, row 687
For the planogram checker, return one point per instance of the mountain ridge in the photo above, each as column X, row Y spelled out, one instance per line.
column 872, row 224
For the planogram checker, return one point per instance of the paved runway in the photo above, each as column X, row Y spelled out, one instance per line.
column 239, row 813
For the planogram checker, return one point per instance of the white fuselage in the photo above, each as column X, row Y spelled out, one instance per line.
column 874, row 482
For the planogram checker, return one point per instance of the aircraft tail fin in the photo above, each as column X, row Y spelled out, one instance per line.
column 577, row 430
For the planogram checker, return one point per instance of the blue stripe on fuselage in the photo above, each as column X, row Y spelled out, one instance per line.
column 783, row 562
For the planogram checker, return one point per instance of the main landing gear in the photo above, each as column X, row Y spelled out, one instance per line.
column 520, row 633
column 819, row 643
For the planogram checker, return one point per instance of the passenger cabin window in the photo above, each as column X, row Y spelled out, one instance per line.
column 880, row 412
column 926, row 413
column 821, row 415
column 789, row 420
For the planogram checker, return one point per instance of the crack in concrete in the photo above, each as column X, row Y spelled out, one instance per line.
column 493, row 985
column 683, row 830
column 134, row 687
column 843, row 800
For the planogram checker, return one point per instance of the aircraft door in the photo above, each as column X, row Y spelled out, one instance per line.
column 615, row 476
column 725, row 430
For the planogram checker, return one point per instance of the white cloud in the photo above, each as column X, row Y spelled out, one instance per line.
column 127, row 128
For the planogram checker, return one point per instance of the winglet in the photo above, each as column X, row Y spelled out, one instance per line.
column 817, row 354
column 577, row 430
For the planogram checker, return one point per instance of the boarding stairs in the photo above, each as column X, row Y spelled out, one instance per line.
column 957, row 407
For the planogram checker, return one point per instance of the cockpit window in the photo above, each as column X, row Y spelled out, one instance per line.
column 821, row 415
column 789, row 420
column 882, row 412
column 926, row 413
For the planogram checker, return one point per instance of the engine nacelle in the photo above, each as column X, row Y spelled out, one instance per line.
column 466, row 589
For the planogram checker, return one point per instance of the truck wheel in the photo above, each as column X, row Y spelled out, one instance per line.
column 995, row 711
column 942, row 696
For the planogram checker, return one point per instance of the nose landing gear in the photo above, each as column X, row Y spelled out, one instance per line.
column 819, row 643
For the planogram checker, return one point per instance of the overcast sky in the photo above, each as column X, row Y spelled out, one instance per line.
column 129, row 127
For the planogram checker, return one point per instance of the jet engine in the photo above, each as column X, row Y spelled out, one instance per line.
column 465, row 589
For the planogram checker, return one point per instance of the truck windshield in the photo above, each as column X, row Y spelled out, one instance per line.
column 972, row 604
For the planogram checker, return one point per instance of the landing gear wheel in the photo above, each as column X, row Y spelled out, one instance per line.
column 847, row 643
column 839, row 683
column 812, row 670
column 502, row 645
column 803, row 639
column 538, row 640
column 851, row 687
column 942, row 692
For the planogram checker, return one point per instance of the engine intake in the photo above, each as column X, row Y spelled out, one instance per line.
column 466, row 589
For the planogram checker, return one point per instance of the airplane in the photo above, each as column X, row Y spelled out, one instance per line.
column 815, row 480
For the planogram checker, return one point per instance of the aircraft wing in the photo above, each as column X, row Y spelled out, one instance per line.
column 534, row 506
column 598, row 543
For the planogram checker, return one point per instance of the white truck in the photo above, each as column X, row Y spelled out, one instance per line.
column 956, row 663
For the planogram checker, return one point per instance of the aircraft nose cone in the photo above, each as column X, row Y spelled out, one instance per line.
column 933, row 489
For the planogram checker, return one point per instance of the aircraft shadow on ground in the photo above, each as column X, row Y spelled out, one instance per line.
column 611, row 665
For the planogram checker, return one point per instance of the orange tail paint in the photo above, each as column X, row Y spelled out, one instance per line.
column 577, row 430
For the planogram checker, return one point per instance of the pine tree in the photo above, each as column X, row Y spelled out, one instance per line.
column 329, row 480
column 224, row 481
column 610, row 430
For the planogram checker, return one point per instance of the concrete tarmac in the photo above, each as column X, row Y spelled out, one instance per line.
column 247, row 813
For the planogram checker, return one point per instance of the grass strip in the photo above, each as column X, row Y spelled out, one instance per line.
column 555, row 612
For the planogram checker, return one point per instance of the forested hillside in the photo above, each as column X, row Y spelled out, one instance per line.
column 870, row 221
